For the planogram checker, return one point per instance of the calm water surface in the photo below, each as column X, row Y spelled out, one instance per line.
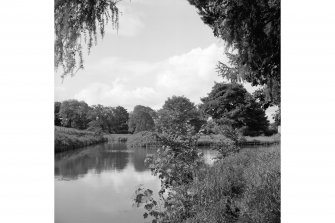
column 97, row 184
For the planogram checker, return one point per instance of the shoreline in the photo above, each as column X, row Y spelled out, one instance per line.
column 67, row 139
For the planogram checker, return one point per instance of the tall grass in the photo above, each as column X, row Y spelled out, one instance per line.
column 69, row 138
column 244, row 187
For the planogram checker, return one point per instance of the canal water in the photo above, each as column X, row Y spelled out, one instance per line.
column 97, row 184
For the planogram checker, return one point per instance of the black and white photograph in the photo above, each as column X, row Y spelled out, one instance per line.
column 167, row 111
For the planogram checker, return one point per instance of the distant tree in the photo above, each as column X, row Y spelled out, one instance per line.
column 230, row 104
column 176, row 112
column 101, row 119
column 251, row 29
column 121, row 117
column 56, row 115
column 74, row 113
column 78, row 22
column 141, row 119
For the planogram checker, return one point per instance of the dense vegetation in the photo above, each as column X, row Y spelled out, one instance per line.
column 69, row 138
column 96, row 118
column 251, row 29
column 141, row 119
column 176, row 111
column 228, row 104
column 232, row 104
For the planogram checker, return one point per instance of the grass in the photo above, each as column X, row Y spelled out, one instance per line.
column 206, row 140
column 69, row 138
column 273, row 138
column 244, row 187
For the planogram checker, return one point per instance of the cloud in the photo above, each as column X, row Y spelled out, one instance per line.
column 116, row 94
column 128, row 83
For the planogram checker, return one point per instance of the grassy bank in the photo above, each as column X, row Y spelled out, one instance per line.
column 69, row 138
column 206, row 140
column 144, row 139
column 244, row 187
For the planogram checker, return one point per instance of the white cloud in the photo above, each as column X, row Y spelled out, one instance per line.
column 115, row 81
column 137, row 82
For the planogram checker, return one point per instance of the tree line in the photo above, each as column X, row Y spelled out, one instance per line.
column 227, row 104
column 98, row 118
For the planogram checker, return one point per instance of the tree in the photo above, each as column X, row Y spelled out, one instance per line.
column 141, row 119
column 251, row 29
column 101, row 119
column 56, row 115
column 121, row 118
column 73, row 114
column 230, row 104
column 78, row 21
column 176, row 112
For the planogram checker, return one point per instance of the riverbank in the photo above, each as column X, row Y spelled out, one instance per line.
column 144, row 139
column 117, row 137
column 210, row 140
column 69, row 139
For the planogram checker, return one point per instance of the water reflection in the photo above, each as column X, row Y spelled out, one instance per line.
column 71, row 165
column 96, row 184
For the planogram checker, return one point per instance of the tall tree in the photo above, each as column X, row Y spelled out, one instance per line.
column 141, row 119
column 121, row 118
column 178, row 111
column 231, row 104
column 76, row 23
column 56, row 114
column 74, row 113
column 251, row 29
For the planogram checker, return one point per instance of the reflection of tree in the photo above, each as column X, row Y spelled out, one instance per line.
column 98, row 159
column 139, row 156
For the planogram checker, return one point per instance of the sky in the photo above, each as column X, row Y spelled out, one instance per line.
column 162, row 48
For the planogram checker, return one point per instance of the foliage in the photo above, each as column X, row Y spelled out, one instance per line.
column 176, row 112
column 228, row 144
column 277, row 117
column 121, row 117
column 268, row 97
column 56, row 113
column 242, row 187
column 251, row 29
column 231, row 104
column 97, row 118
column 69, row 138
column 102, row 118
column 175, row 164
column 143, row 138
column 77, row 22
column 141, row 119
column 73, row 114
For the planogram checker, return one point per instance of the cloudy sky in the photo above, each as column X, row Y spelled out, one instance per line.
column 162, row 48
